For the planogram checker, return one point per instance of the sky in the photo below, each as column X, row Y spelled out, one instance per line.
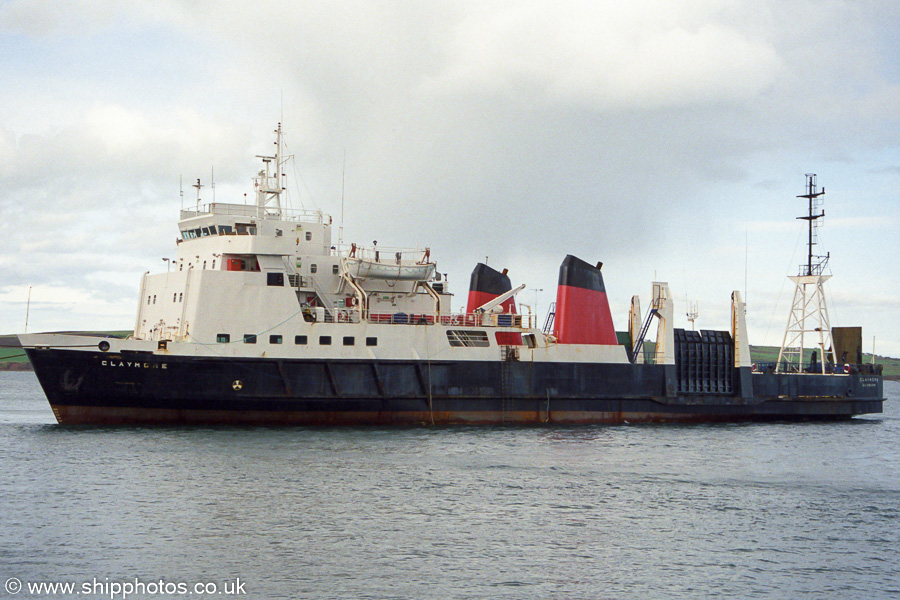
column 666, row 138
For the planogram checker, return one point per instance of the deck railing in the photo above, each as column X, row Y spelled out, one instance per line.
column 499, row 320
column 830, row 368
column 252, row 210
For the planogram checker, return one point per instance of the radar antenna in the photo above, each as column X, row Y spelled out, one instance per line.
column 692, row 313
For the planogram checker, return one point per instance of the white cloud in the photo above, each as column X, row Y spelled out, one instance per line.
column 643, row 54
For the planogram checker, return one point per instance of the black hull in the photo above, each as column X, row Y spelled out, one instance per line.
column 143, row 388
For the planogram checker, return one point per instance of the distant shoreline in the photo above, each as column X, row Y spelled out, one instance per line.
column 15, row 366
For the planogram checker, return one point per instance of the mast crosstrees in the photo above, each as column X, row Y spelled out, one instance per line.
column 268, row 181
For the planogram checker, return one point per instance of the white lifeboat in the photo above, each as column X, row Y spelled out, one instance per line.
column 368, row 269
column 363, row 263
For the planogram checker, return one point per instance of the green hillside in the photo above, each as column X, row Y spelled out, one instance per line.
column 10, row 351
column 769, row 354
column 12, row 357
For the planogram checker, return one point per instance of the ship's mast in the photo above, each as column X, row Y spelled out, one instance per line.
column 809, row 312
column 813, row 219
column 269, row 180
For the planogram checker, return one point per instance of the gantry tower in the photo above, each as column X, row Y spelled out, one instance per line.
column 808, row 320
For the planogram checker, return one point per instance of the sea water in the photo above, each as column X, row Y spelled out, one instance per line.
column 784, row 510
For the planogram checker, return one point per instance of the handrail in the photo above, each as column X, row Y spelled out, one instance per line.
column 385, row 255
column 524, row 322
column 362, row 296
column 830, row 368
column 253, row 210
column 328, row 300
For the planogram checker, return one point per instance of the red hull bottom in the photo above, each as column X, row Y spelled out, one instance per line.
column 100, row 415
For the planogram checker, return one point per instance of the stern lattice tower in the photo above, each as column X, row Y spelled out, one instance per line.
column 808, row 319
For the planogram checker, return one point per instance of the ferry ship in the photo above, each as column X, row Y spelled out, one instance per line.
column 262, row 319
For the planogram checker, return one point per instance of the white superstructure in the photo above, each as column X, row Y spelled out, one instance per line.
column 262, row 280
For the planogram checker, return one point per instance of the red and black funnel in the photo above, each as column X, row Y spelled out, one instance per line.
column 485, row 285
column 582, row 309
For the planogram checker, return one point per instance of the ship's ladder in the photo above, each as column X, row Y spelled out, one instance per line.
column 638, row 346
column 506, row 402
column 329, row 301
column 551, row 315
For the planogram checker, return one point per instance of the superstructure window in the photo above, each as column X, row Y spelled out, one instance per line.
column 275, row 339
column 180, row 296
column 223, row 338
column 349, row 340
column 249, row 338
column 175, row 297
column 224, row 229
column 334, row 269
column 313, row 268
column 324, row 340
column 371, row 341
column 468, row 338
column 300, row 340
column 308, row 236
column 276, row 279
